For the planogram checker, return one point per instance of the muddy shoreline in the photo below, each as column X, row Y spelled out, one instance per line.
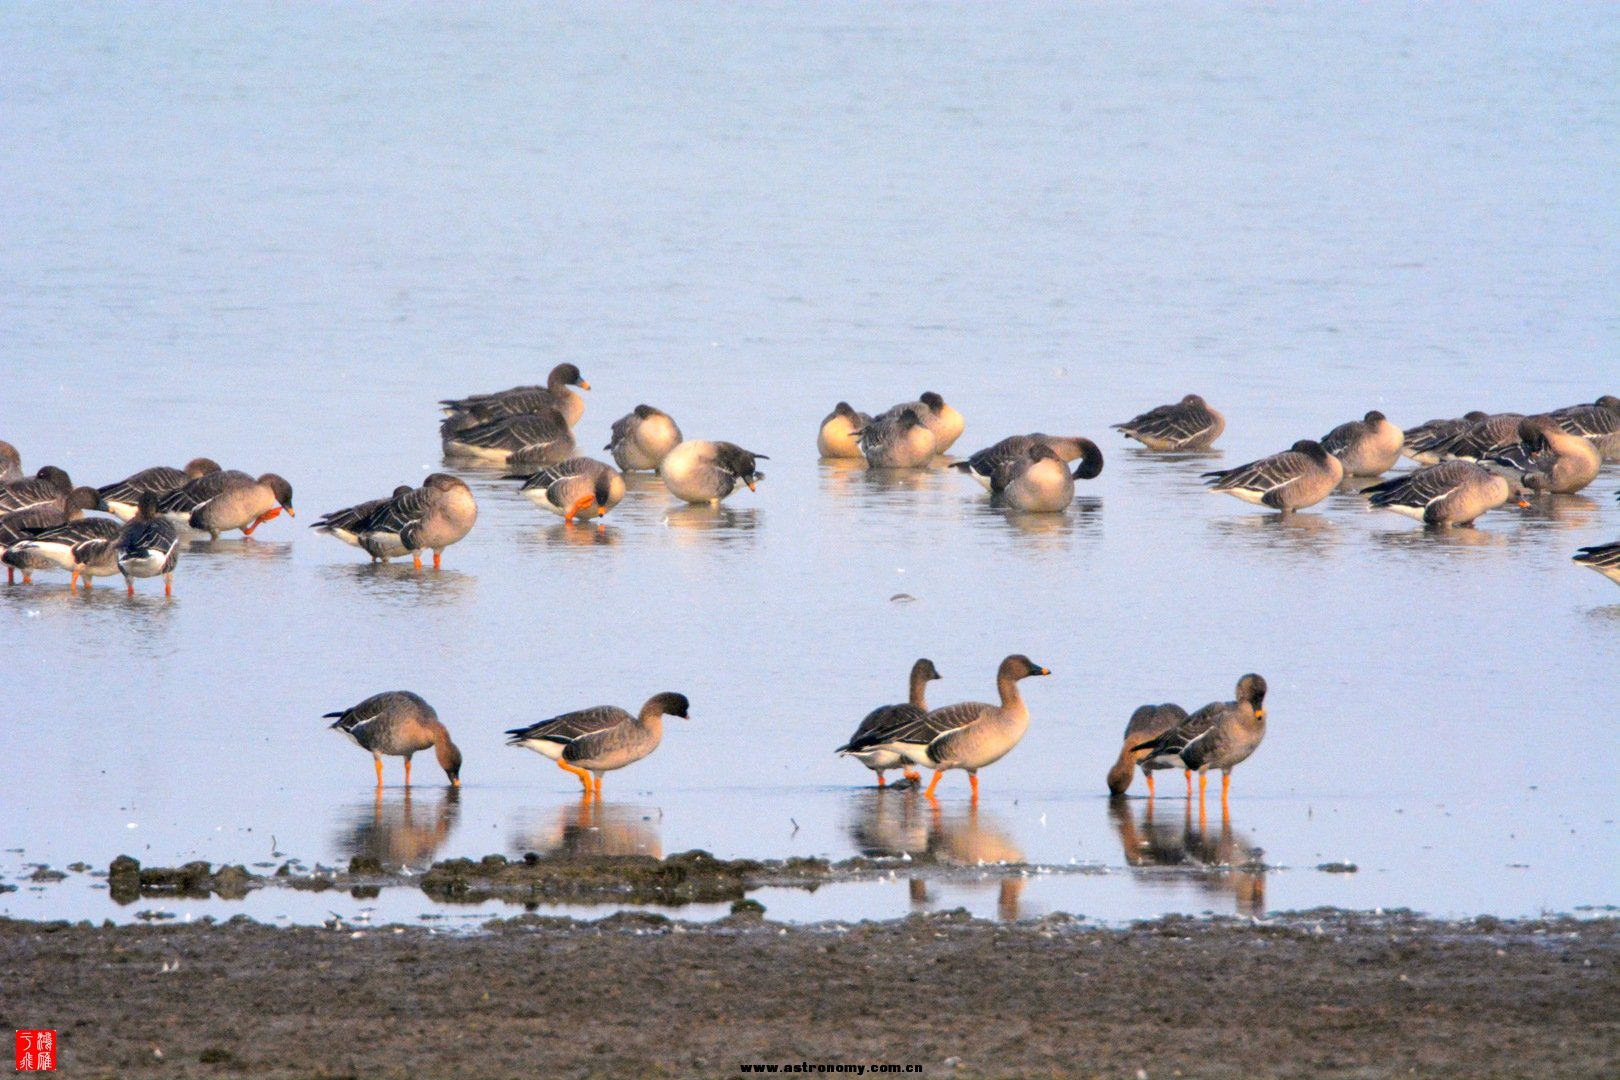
column 1325, row 993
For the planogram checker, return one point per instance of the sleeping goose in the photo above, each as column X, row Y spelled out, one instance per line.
column 343, row 523
column 1604, row 558
column 1418, row 443
column 220, row 501
column 1147, row 723
column 120, row 499
column 147, row 546
column 48, row 485
column 19, row 525
column 1598, row 423
column 1367, row 447
column 1486, row 436
column 1221, row 736
column 1040, row 481
column 574, row 486
column 1450, row 493
column 10, row 463
column 942, row 421
column 1189, row 424
column 969, row 735
column 528, row 439
column 983, row 463
column 431, row 517
column 1292, row 480
column 706, row 472
column 840, row 433
column 593, row 741
column 642, row 437
column 398, row 723
column 901, row 441
column 83, row 547
column 482, row 408
column 887, row 717
column 1547, row 458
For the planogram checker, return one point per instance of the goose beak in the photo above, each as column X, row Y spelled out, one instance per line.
column 291, row 512
column 1043, row 671
column 583, row 385
column 750, row 484
column 601, row 511
column 1259, row 714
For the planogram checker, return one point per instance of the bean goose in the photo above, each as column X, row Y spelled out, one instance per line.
column 1547, row 458
column 220, row 501
column 840, row 433
column 1419, row 443
column 46, row 486
column 1069, row 448
column 885, row 718
column 1450, row 493
column 1147, row 723
column 642, row 437
column 1221, row 736
column 431, row 517
column 344, row 523
column 398, row 723
column 482, row 408
column 900, row 441
column 121, row 499
column 574, row 486
column 1484, row 437
column 1040, row 481
column 593, row 741
column 19, row 525
column 147, row 546
column 528, row 439
column 1292, row 480
column 1367, row 447
column 83, row 547
column 706, row 472
column 942, row 421
column 1598, row 423
column 1189, row 424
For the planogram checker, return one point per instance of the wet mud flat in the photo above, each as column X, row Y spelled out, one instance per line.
column 1325, row 993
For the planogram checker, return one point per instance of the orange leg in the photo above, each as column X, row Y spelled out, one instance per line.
column 596, row 792
column 131, row 583
column 416, row 558
column 437, row 555
column 584, row 777
column 934, row 783
column 168, row 584
column 1226, row 788
column 881, row 781
column 73, row 582
column 407, row 771
column 1188, row 774
column 911, row 774
column 973, row 779
column 378, row 760
column 88, row 581
column 1203, row 782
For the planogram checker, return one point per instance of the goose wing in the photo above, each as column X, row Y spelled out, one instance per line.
column 1183, row 740
column 1589, row 421
column 878, row 722
column 24, row 494
column 569, row 727
column 1343, row 437
column 984, row 462
column 160, row 479
column 190, row 496
column 1267, row 475
column 472, row 400
column 1175, row 423
column 1418, row 489
column 922, row 730
column 77, row 532
column 155, row 538
column 349, row 518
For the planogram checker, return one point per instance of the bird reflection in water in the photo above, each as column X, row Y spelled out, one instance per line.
column 891, row 824
column 398, row 831
column 1226, row 861
column 589, row 827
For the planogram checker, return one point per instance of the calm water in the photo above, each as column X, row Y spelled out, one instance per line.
column 277, row 236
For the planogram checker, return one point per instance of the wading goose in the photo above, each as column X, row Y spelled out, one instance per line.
column 1189, row 424
column 840, row 434
column 1069, row 448
column 19, row 525
column 1450, row 493
column 529, row 439
column 1547, row 458
column 1367, row 447
column 398, row 723
column 1146, row 724
column 482, row 408
column 578, row 485
column 147, row 546
column 641, row 438
column 706, row 472
column 901, row 441
column 343, row 523
column 1040, row 481
column 1604, row 558
column 10, row 463
column 1486, row 436
column 1301, row 476
column 1598, row 423
column 1418, row 443
column 969, row 735
column 886, row 718
column 431, row 517
column 121, row 499
column 220, row 501
column 1221, row 736
column 594, row 741
column 48, row 485
column 84, row 547
column 942, row 421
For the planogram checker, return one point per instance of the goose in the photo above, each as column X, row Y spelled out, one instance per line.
column 482, row 408
column 1221, row 736
column 46, row 486
column 1450, row 493
column 18, row 526
column 1604, row 558
column 840, row 433
column 398, row 723
column 1040, row 481
column 121, row 499
column 431, row 517
column 983, row 463
column 706, row 472
column 942, row 421
column 901, row 441
column 1301, row 476
column 1598, row 423
column 83, row 547
column 1147, row 723
column 1486, row 436
column 10, row 463
column 220, row 501
column 641, row 438
column 342, row 523
column 535, row 439
column 574, row 486
column 969, row 735
column 1189, row 424
column 886, row 717
column 1367, row 447
column 593, row 741
column 147, row 546
column 1418, row 443
column 1547, row 458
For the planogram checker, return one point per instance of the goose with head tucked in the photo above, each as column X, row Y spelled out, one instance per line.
column 593, row 741
column 641, row 439
column 1420, row 443
column 840, row 433
column 1367, row 447
column 1547, row 458
column 344, row 523
column 10, row 463
column 83, row 547
column 20, row 525
column 1300, row 476
column 569, row 488
column 398, row 723
column 1146, row 724
column 147, row 545
column 432, row 517
column 884, row 719
column 525, row 440
column 49, row 485
column 1597, row 423
column 1069, row 448
column 1221, row 736
column 1486, row 436
column 942, row 421
column 122, row 498
column 706, row 472
column 1040, row 481
column 556, row 394
column 220, row 501
column 900, row 441
column 1452, row 493
column 1189, row 424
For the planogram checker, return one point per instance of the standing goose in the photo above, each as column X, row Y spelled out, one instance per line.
column 1040, row 481
column 10, row 463
column 1450, row 493
column 1604, row 558
column 535, row 439
column 48, row 485
column 1419, row 443
column 1221, row 736
column 1147, row 723
column 641, row 438
column 886, row 718
column 219, row 501
column 1598, row 423
column 19, row 525
column 840, row 433
column 121, row 499
column 398, row 723
column 84, row 547
column 901, row 441
column 1547, row 458
column 942, row 421
column 593, row 741
column 706, row 472
column 147, row 546
column 1301, row 476
column 1069, row 448
column 1189, row 424
column 431, row 517
column 1367, row 447
column 482, row 408
column 343, row 523
column 1486, row 436
column 574, row 486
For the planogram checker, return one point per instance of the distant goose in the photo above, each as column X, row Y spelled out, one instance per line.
column 1604, row 558
column 10, row 463
column 528, row 439
column 122, row 498
column 1484, row 437
column 19, row 525
column 1367, row 447
column 343, row 523
column 983, row 463
column 575, row 486
column 1450, row 493
column 84, row 547
column 1189, row 424
column 482, row 408
column 1547, row 458
column 1419, row 442
column 642, row 437
column 901, row 441
column 1221, row 736
column 594, row 741
column 220, row 501
column 942, row 421
column 432, row 517
column 147, row 546
column 1598, row 423
column 969, row 735
column 840, row 432
column 1040, row 481
column 886, row 718
column 706, row 472
column 1292, row 480
column 48, row 485
column 399, row 723
column 1146, row 724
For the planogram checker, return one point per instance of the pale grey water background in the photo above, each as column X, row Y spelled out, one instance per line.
column 277, row 235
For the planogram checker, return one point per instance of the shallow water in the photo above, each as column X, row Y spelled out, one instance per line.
column 277, row 237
